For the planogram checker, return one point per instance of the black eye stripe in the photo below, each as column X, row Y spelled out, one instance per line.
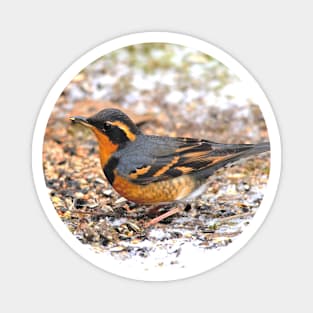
column 117, row 135
column 110, row 116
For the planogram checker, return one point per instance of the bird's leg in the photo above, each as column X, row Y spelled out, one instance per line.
column 161, row 217
column 153, row 210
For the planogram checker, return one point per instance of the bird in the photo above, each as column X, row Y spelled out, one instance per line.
column 158, row 170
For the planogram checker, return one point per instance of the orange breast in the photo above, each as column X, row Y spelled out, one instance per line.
column 106, row 147
column 159, row 192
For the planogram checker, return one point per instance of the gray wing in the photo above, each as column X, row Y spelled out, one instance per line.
column 151, row 158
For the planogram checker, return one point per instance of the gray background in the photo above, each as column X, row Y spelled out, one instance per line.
column 39, row 272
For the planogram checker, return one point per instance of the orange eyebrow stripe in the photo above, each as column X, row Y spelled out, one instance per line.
column 129, row 134
column 140, row 171
column 165, row 168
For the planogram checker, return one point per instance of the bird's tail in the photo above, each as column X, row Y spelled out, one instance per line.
column 245, row 151
column 229, row 153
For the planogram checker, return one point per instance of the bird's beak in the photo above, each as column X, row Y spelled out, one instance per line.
column 80, row 120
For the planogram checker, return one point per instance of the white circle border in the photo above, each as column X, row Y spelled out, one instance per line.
column 157, row 274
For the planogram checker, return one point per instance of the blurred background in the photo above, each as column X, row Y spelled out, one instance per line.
column 182, row 87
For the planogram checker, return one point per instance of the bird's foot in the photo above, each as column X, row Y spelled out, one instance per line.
column 163, row 216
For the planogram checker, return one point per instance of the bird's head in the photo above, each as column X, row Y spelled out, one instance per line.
column 113, row 129
column 110, row 123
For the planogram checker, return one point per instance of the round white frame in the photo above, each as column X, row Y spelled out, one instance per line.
column 110, row 265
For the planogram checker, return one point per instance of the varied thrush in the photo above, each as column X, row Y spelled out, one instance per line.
column 158, row 170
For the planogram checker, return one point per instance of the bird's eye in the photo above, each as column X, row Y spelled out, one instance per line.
column 107, row 126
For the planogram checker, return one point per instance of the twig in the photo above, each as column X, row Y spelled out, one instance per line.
column 98, row 212
column 227, row 218
column 217, row 235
